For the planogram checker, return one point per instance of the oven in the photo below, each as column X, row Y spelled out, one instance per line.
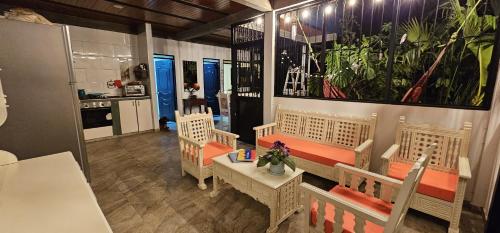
column 97, row 119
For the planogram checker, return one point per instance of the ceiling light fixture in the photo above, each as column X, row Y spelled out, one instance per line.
column 118, row 6
column 328, row 9
column 352, row 3
column 259, row 20
column 378, row 1
column 305, row 13
column 288, row 19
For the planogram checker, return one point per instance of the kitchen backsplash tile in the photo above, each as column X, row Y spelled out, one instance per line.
column 100, row 56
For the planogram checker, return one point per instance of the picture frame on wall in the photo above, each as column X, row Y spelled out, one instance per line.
column 190, row 72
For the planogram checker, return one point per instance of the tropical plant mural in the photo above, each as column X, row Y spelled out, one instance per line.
column 436, row 53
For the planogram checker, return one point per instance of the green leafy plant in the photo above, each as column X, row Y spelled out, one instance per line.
column 277, row 154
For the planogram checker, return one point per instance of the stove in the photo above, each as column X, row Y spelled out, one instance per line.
column 97, row 119
column 95, row 104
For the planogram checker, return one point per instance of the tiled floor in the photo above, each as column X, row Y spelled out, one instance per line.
column 138, row 184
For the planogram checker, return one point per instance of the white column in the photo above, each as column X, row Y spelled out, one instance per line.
column 145, row 44
column 269, row 51
column 490, row 162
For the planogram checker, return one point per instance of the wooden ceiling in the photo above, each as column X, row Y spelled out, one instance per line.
column 167, row 17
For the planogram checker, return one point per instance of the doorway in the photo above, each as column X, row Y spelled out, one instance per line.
column 227, row 76
column 165, row 87
column 211, row 83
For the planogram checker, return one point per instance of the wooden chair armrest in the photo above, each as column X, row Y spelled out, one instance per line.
column 464, row 168
column 387, row 157
column 225, row 138
column 228, row 134
column 340, row 203
column 343, row 169
column 362, row 153
column 265, row 126
column 191, row 141
column 264, row 130
column 391, row 152
column 364, row 146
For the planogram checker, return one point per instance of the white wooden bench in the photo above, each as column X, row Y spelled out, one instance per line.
column 441, row 192
column 318, row 141
column 199, row 142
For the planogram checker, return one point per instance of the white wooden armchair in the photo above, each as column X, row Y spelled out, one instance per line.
column 199, row 142
column 349, row 208
column 441, row 192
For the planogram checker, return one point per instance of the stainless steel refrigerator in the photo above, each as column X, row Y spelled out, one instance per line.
column 37, row 77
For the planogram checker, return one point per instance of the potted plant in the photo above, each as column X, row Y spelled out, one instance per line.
column 278, row 156
column 191, row 88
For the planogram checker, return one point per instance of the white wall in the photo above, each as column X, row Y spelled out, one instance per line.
column 100, row 56
column 492, row 148
column 186, row 51
column 388, row 117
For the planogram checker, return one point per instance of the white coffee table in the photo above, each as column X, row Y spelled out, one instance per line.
column 279, row 193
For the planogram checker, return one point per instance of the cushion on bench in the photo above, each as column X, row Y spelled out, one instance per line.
column 214, row 149
column 438, row 184
column 316, row 152
column 359, row 199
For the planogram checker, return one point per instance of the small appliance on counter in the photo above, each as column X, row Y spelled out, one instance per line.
column 82, row 94
column 134, row 89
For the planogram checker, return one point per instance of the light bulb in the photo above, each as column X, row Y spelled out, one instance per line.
column 328, row 9
column 305, row 14
column 288, row 19
column 258, row 20
column 378, row 1
column 352, row 2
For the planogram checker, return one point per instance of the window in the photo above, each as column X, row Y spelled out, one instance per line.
column 417, row 52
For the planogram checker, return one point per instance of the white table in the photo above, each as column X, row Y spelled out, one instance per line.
column 279, row 193
column 48, row 194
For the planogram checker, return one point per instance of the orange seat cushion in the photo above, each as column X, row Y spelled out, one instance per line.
column 312, row 151
column 438, row 184
column 214, row 149
column 358, row 198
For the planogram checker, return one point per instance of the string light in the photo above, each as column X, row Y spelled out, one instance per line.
column 305, row 13
column 258, row 20
column 328, row 9
column 288, row 19
column 352, row 2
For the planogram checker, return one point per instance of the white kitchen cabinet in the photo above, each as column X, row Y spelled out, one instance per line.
column 144, row 117
column 135, row 115
column 128, row 116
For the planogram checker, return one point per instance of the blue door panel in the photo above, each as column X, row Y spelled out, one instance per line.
column 211, row 78
column 165, row 84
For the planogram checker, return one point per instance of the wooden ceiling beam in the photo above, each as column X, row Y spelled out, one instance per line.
column 200, row 6
column 208, row 28
column 260, row 5
column 153, row 10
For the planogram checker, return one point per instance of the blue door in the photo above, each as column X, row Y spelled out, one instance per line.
column 211, row 83
column 165, row 86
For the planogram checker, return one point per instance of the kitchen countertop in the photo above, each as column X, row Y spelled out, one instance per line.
column 117, row 98
column 48, row 194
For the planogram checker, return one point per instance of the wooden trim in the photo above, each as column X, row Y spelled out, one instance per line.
column 154, row 11
column 187, row 3
column 208, row 28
